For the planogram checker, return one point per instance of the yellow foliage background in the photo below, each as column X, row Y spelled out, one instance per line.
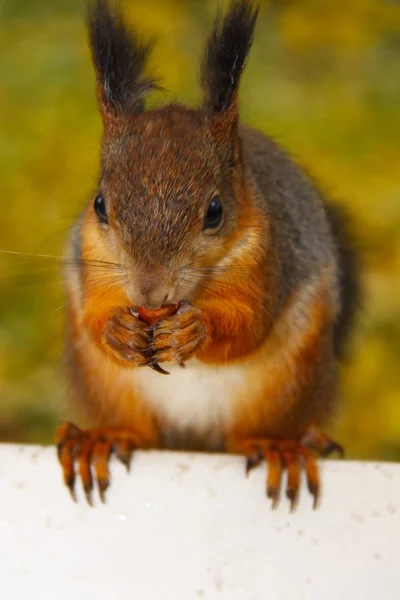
column 323, row 79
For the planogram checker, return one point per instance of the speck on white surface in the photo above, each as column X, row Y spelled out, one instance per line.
column 191, row 526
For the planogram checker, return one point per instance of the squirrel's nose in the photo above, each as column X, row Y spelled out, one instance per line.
column 151, row 291
column 153, row 304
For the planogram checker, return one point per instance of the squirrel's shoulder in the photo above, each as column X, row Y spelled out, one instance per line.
column 277, row 174
column 295, row 206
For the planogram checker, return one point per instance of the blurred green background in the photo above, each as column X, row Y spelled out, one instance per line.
column 323, row 79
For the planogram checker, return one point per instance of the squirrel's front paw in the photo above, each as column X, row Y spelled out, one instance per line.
column 178, row 337
column 128, row 337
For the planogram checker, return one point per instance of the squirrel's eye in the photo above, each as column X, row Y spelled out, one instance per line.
column 100, row 208
column 214, row 214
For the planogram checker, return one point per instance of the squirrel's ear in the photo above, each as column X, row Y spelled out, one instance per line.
column 119, row 60
column 224, row 59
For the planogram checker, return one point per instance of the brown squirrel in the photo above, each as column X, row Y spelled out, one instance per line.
column 208, row 254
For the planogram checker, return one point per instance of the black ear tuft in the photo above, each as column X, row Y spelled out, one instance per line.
column 226, row 52
column 119, row 59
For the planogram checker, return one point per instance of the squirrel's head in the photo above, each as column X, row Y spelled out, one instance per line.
column 171, row 197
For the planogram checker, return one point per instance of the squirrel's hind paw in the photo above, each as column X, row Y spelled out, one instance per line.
column 80, row 451
column 280, row 454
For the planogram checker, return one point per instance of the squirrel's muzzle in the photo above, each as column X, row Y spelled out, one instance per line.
column 151, row 290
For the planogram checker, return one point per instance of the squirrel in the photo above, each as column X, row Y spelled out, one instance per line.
column 208, row 254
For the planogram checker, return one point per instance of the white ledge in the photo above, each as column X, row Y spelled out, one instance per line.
column 190, row 526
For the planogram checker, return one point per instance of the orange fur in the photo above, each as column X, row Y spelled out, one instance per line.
column 237, row 310
column 281, row 404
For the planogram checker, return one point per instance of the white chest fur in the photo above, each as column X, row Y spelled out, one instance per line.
column 197, row 397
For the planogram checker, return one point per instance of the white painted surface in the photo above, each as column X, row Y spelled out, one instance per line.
column 185, row 526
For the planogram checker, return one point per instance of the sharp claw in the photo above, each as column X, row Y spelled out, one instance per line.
column 315, row 439
column 156, row 367
column 88, row 494
column 314, row 491
column 249, row 465
column 125, row 459
column 123, row 451
column 253, row 461
column 70, row 483
column 103, row 485
column 126, row 462
column 333, row 447
column 292, row 496
column 152, row 363
column 273, row 494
